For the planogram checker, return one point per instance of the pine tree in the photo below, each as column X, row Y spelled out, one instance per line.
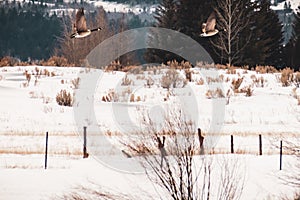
column 185, row 16
column 166, row 16
column 293, row 47
column 265, row 46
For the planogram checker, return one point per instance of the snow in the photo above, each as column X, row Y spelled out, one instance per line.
column 294, row 5
column 119, row 7
column 30, row 110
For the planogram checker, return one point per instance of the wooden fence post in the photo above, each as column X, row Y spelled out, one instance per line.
column 232, row 149
column 201, row 140
column 46, row 150
column 85, row 154
column 260, row 145
column 280, row 164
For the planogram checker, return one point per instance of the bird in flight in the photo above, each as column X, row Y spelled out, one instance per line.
column 81, row 30
column 208, row 28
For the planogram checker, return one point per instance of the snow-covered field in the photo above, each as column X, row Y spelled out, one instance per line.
column 29, row 110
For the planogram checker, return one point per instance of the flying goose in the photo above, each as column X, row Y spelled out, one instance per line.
column 81, row 30
column 208, row 28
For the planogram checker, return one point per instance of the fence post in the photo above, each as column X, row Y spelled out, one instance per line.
column 46, row 150
column 201, row 140
column 232, row 149
column 280, row 164
column 85, row 154
column 260, row 145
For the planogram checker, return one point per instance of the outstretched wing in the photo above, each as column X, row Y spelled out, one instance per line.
column 211, row 22
column 80, row 21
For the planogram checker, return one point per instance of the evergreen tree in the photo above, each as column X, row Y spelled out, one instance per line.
column 166, row 17
column 27, row 34
column 265, row 46
column 185, row 16
column 293, row 47
column 166, row 14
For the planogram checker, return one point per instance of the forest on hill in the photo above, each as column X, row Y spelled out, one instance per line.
column 254, row 33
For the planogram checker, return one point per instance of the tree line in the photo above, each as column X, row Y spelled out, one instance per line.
column 27, row 31
column 31, row 33
column 253, row 33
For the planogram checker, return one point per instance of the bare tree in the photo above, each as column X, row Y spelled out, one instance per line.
column 75, row 50
column 184, row 173
column 231, row 20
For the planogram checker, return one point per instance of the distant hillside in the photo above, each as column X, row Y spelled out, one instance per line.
column 136, row 2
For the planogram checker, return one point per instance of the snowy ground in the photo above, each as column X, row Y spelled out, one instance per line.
column 29, row 110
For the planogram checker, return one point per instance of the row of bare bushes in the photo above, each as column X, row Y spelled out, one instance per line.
column 56, row 61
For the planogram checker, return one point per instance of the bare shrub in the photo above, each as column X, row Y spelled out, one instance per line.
column 46, row 72
column 231, row 70
column 188, row 74
column 249, row 91
column 200, row 82
column 28, row 76
column 132, row 98
column 8, row 61
column 217, row 93
column 259, row 82
column 170, row 159
column 228, row 95
column 265, row 69
column 75, row 82
column 149, row 82
column 57, row 61
column 64, row 98
column 112, row 96
column 209, row 94
column 286, row 77
column 126, row 81
column 297, row 79
column 294, row 93
column 172, row 79
column 235, row 84
column 176, row 65
column 210, row 80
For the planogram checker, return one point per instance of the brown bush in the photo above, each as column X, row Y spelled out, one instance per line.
column 112, row 96
column 172, row 79
column 235, row 84
column 259, row 82
column 200, row 82
column 231, row 70
column 297, row 79
column 217, row 93
column 176, row 65
column 64, row 98
column 75, row 83
column 132, row 98
column 8, row 61
column 249, row 91
column 56, row 61
column 286, row 77
column 265, row 69
column 126, row 81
